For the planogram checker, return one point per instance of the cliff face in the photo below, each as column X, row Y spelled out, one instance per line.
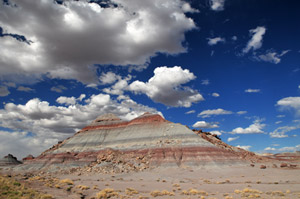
column 149, row 139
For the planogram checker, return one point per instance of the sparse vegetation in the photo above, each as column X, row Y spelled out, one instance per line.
column 107, row 193
column 66, row 181
column 162, row 193
column 82, row 187
column 11, row 189
column 194, row 192
column 131, row 191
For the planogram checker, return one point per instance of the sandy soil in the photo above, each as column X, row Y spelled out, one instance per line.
column 208, row 182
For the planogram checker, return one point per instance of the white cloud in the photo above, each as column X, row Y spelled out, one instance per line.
column 108, row 78
column 278, row 122
column 205, row 82
column 81, row 97
column 25, row 89
column 215, row 95
column 280, row 132
column 4, row 91
column 58, row 89
column 283, row 149
column 256, row 127
column 250, row 90
column 217, row 5
column 49, row 124
column 166, row 87
column 271, row 56
column 218, row 133
column 230, row 139
column 186, row 7
column 205, row 125
column 241, row 112
column 26, row 144
column 190, row 112
column 290, row 103
column 247, row 147
column 290, row 149
column 269, row 149
column 256, row 40
column 215, row 41
column 209, row 113
column 234, row 38
column 119, row 87
column 66, row 100
column 65, row 41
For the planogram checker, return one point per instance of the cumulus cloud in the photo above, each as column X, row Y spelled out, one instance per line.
column 166, row 87
column 230, row 139
column 4, row 91
column 256, row 127
column 280, row 132
column 251, row 90
column 48, row 124
column 247, row 147
column 186, row 7
column 119, row 87
column 205, row 125
column 209, row 113
column 216, row 40
column 108, row 78
column 256, row 40
column 66, row 100
column 290, row 103
column 217, row 5
column 66, row 40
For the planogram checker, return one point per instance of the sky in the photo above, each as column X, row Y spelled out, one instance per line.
column 230, row 67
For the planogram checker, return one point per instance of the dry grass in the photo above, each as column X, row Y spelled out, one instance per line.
column 194, row 192
column 107, row 193
column 66, row 181
column 11, row 189
column 162, row 193
column 131, row 191
column 82, row 187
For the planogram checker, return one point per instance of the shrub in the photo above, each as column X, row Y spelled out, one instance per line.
column 107, row 193
column 66, row 181
column 82, row 187
column 131, row 191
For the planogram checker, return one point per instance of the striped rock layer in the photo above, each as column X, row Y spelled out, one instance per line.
column 149, row 139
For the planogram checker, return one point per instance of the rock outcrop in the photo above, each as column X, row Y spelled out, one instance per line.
column 148, row 140
column 9, row 160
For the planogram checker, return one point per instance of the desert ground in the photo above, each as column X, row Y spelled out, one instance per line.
column 169, row 182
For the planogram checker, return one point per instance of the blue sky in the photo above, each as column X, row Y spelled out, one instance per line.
column 225, row 66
